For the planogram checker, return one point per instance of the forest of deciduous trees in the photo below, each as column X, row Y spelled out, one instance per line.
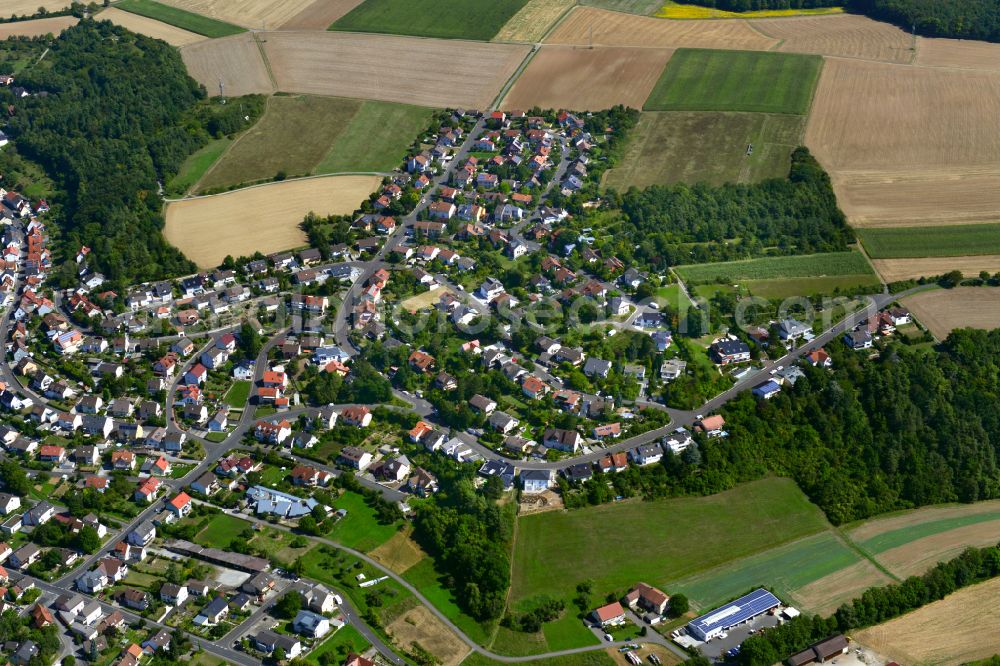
column 683, row 224
column 112, row 115
column 959, row 19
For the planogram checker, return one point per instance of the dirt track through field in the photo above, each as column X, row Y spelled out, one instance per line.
column 944, row 310
column 256, row 14
column 244, row 221
column 893, row 270
column 427, row 72
column 320, row 15
column 587, row 79
column 150, row 27
column 235, row 61
column 37, row 27
column 845, row 35
column 960, row 628
column 586, row 25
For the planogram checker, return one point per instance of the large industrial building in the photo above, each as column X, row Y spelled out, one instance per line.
column 747, row 607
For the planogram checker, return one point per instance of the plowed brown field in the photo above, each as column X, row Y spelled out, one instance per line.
column 587, row 79
column 320, row 15
column 429, row 72
column 236, row 61
column 845, row 35
column 150, row 27
column 893, row 270
column 588, row 25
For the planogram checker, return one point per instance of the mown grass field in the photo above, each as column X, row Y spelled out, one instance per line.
column 292, row 136
column 425, row 578
column 359, row 529
column 347, row 639
column 771, row 268
column 712, row 80
column 946, row 241
column 238, row 394
column 376, row 138
column 221, row 531
column 447, row 19
column 617, row 545
column 303, row 135
column 783, row 569
column 706, row 146
column 197, row 163
column 178, row 17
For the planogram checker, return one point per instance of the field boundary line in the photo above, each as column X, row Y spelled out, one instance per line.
column 846, row 540
column 263, row 57
column 381, row 174
column 225, row 152
column 505, row 90
column 864, row 253
column 559, row 21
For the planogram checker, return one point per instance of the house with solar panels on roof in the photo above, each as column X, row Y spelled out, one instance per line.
column 713, row 624
column 273, row 502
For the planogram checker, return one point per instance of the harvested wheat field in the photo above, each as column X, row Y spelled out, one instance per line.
column 532, row 21
column 587, row 79
column 825, row 595
column 236, row 61
column 953, row 195
column 960, row 53
column 871, row 115
column 320, row 15
column 150, row 27
column 944, row 310
column 960, row 628
column 257, row 14
column 847, row 35
column 916, row 557
column 427, row 72
column 30, row 7
column 588, row 25
column 885, row 132
column 893, row 270
column 242, row 222
column 419, row 625
column 37, row 27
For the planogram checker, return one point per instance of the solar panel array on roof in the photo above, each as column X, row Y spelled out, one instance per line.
column 711, row 624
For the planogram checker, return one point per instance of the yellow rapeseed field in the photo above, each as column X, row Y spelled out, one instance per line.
column 672, row 10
